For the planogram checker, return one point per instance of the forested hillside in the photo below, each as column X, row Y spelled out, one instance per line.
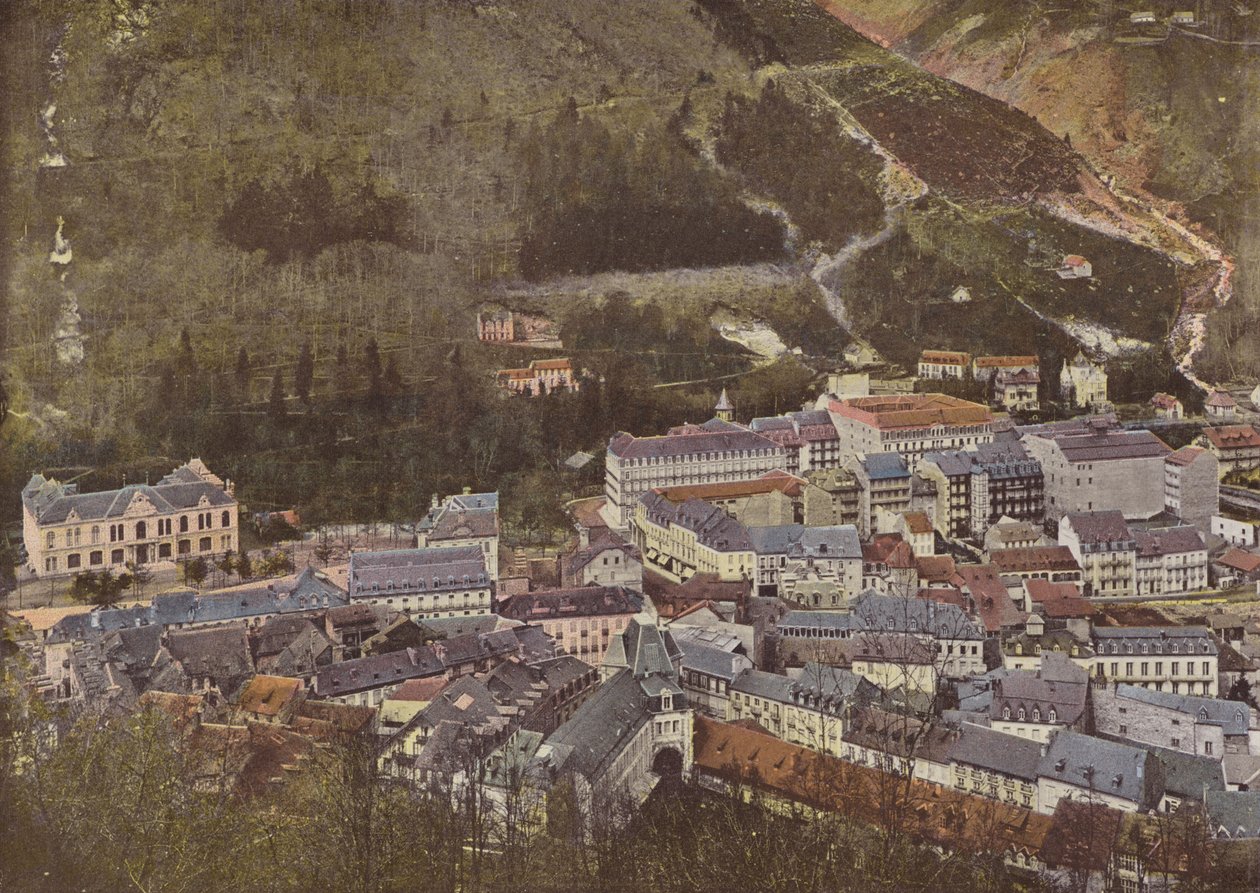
column 260, row 233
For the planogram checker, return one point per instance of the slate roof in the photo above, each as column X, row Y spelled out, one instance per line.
column 830, row 541
column 433, row 569
column 627, row 446
column 885, row 466
column 996, row 751
column 817, row 620
column 1099, row 528
column 1188, row 640
column 1188, row 775
column 219, row 652
column 1236, row 812
column 713, row 527
column 891, row 613
column 586, row 601
column 462, row 516
column 1110, row 446
column 582, row 557
column 711, row 661
column 1120, row 770
column 770, row 482
column 1059, row 684
column 1234, row 717
column 1168, row 541
column 376, row 671
column 51, row 502
column 775, row 540
column 591, row 739
column 643, row 648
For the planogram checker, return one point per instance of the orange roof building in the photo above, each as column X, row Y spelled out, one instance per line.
column 911, row 424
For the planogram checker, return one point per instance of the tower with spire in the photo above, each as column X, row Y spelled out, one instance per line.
column 724, row 410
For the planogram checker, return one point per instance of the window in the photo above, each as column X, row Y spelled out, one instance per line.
column 116, row 556
column 227, row 519
column 1053, row 716
column 52, row 540
column 142, row 530
column 204, row 545
column 72, row 561
column 1207, row 747
column 1006, row 712
column 96, row 535
column 183, row 523
column 1021, row 714
column 97, row 557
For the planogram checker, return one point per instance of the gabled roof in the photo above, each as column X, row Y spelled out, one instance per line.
column 996, row 751
column 1106, row 767
column 945, row 357
column 586, row 601
column 1033, row 558
column 1221, row 400
column 1234, row 717
column 1237, row 813
column 1058, row 600
column 1168, row 541
column 1240, row 560
column 1112, row 445
column 713, row 527
column 627, row 446
column 1095, row 528
column 1232, row 437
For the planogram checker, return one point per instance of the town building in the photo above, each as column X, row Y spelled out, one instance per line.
column 1192, row 490
column 539, row 378
column 956, row 640
column 678, row 541
column 1166, row 406
column 707, row 674
column 776, row 497
column 942, row 364
column 889, row 565
column 1235, row 567
column 604, row 563
column 1190, row 724
column 988, row 762
column 1179, row 659
column 1105, row 548
column 1055, row 564
column 808, row 438
column 1170, row 560
column 1082, row 767
column 808, row 710
column 702, row 454
column 885, row 482
column 1083, row 384
column 1122, row 470
column 910, row 425
column 1035, row 704
column 1236, row 529
column 431, row 582
column 823, row 567
column 1008, row 533
column 832, row 497
column 1236, row 447
column 1220, row 407
column 1026, row 649
column 189, row 513
column 635, row 730
column 581, row 621
column 469, row 519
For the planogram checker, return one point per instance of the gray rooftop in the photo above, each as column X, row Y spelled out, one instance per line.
column 1106, row 767
column 1234, row 717
column 997, row 751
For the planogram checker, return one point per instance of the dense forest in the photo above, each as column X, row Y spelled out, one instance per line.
column 598, row 201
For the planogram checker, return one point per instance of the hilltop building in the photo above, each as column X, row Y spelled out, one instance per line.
column 941, row 364
column 539, row 378
column 189, row 513
column 1236, row 447
column 1083, row 384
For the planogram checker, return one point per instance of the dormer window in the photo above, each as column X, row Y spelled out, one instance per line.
column 1036, row 714
column 1021, row 714
column 667, row 701
column 1202, row 714
column 1006, row 712
column 1053, row 716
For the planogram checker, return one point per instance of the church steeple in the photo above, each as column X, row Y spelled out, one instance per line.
column 724, row 410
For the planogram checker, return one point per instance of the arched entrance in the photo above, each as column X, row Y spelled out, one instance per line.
column 668, row 765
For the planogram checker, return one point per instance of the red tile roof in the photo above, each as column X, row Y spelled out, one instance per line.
column 770, row 482
column 1059, row 600
column 1240, row 560
column 1033, row 558
column 1227, row 437
column 912, row 411
column 945, row 357
column 1005, row 362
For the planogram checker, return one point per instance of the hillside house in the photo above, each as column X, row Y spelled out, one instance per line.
column 942, row 364
column 1166, row 406
column 539, row 378
column 1220, row 407
column 1075, row 267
